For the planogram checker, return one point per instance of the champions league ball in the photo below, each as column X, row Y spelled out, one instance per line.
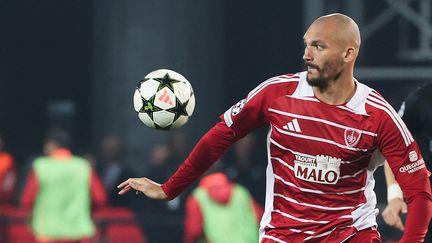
column 164, row 99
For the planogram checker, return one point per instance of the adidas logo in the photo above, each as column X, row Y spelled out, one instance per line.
column 293, row 126
column 165, row 98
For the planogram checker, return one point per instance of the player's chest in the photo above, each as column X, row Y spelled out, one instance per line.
column 322, row 129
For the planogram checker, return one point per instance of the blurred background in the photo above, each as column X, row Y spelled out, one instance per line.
column 75, row 65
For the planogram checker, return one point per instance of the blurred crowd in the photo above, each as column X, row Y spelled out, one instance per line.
column 80, row 191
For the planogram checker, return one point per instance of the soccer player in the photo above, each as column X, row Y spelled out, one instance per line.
column 219, row 210
column 60, row 191
column 7, row 174
column 416, row 113
column 325, row 130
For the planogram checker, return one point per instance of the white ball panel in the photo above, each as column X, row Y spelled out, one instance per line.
column 148, row 88
column 163, row 118
column 146, row 120
column 165, row 99
column 183, row 91
column 191, row 105
column 137, row 100
column 180, row 122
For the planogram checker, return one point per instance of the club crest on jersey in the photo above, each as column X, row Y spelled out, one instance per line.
column 413, row 156
column 321, row 169
column 237, row 107
column 352, row 137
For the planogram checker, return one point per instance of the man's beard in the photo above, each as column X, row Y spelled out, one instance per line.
column 320, row 82
column 329, row 73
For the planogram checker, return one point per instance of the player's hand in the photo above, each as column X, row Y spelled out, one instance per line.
column 148, row 187
column 391, row 213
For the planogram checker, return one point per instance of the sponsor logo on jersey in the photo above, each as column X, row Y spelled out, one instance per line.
column 321, row 169
column 352, row 137
column 413, row 167
column 238, row 107
column 293, row 126
column 413, row 156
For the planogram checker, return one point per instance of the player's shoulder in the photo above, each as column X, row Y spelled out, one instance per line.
column 383, row 113
column 284, row 84
column 376, row 104
column 388, row 119
column 367, row 101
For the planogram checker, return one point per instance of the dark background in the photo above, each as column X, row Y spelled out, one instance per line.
column 76, row 63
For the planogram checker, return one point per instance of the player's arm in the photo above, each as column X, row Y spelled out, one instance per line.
column 396, row 204
column 209, row 149
column 194, row 223
column 237, row 122
column 257, row 209
column 405, row 161
column 30, row 191
column 97, row 190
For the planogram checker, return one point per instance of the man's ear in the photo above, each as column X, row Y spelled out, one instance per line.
column 350, row 54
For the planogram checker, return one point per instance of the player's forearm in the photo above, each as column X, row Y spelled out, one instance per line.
column 393, row 189
column 210, row 148
column 418, row 218
column 418, row 196
column 389, row 176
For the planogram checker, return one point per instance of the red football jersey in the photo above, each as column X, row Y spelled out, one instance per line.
column 321, row 159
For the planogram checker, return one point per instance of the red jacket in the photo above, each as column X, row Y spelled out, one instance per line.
column 219, row 189
column 7, row 177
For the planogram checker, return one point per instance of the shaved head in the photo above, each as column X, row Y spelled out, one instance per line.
column 341, row 27
column 332, row 45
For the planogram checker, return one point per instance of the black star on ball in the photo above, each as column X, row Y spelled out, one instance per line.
column 179, row 109
column 140, row 82
column 166, row 81
column 149, row 107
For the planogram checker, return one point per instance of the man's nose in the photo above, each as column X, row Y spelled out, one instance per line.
column 307, row 55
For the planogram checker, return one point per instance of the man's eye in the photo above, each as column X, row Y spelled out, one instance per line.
column 319, row 47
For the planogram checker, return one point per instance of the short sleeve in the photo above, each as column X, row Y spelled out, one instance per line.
column 251, row 112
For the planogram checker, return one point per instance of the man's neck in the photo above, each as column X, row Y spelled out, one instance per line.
column 338, row 92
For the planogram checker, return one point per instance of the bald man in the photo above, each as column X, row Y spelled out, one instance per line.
column 325, row 131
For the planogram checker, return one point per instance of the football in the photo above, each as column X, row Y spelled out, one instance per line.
column 164, row 99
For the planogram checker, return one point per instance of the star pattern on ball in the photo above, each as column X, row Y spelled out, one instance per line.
column 141, row 81
column 166, row 81
column 149, row 107
column 179, row 109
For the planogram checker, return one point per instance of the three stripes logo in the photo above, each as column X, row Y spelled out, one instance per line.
column 165, row 98
column 293, row 126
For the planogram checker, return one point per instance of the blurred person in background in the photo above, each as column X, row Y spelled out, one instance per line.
column 112, row 168
column 220, row 211
column 157, row 218
column 60, row 191
column 7, row 174
column 247, row 169
column 160, row 164
column 416, row 112
column 325, row 127
column 178, row 146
